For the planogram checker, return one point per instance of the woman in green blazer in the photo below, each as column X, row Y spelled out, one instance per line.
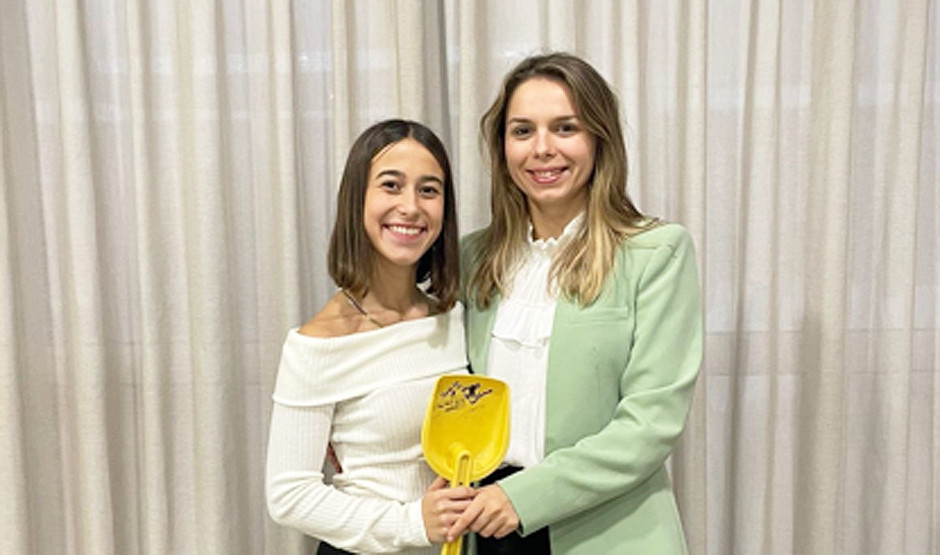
column 591, row 312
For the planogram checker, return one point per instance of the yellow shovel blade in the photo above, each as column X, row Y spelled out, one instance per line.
column 467, row 413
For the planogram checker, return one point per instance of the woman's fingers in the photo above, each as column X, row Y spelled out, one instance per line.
column 442, row 506
column 438, row 483
column 462, row 523
column 489, row 514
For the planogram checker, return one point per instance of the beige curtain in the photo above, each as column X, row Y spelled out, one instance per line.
column 169, row 171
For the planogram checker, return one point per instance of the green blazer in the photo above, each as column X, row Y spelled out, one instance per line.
column 621, row 373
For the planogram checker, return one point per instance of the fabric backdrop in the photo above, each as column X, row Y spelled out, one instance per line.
column 169, row 172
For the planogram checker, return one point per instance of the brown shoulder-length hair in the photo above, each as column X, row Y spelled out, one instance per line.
column 351, row 254
column 582, row 265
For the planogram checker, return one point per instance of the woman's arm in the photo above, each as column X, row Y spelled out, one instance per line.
column 298, row 498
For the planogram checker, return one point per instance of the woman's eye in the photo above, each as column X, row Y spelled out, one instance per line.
column 429, row 190
column 567, row 128
column 520, row 131
column 389, row 185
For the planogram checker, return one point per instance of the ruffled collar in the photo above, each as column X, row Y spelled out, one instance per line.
column 550, row 244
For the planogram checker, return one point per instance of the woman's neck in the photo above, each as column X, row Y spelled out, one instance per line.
column 551, row 223
column 394, row 294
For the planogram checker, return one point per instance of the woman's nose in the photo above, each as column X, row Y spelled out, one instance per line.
column 544, row 147
column 408, row 201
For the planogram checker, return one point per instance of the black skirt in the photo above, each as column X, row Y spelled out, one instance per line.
column 327, row 549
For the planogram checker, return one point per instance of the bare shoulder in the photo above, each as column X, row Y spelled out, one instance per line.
column 334, row 320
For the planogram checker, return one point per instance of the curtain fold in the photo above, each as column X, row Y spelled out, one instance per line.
column 168, row 187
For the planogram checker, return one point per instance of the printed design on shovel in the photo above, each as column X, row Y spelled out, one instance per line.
column 457, row 395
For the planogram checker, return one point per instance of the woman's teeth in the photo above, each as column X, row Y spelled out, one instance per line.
column 404, row 230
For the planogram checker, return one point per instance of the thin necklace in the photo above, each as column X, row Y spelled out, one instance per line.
column 361, row 310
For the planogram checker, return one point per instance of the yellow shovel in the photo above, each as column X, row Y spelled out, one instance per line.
column 466, row 431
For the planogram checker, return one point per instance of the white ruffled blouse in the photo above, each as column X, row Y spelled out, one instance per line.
column 519, row 345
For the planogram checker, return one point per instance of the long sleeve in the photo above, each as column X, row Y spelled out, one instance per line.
column 645, row 355
column 365, row 394
column 298, row 497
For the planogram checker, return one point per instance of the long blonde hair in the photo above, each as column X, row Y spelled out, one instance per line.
column 582, row 265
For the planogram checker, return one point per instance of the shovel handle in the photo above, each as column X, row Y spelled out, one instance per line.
column 461, row 478
column 462, row 470
column 452, row 548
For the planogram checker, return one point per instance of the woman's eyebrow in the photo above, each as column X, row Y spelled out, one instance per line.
column 393, row 173
column 401, row 175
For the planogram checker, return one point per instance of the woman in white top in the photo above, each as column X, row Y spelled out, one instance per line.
column 357, row 377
